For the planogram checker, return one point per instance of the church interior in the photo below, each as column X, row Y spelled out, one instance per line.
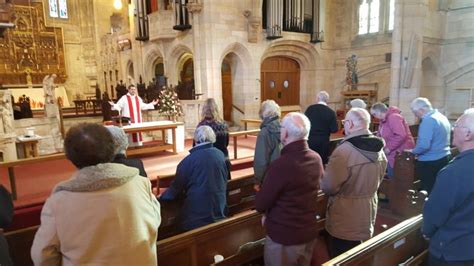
column 88, row 52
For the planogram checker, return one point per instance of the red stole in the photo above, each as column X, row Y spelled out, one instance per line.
column 136, row 137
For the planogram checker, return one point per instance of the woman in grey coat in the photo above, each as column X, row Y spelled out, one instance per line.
column 268, row 144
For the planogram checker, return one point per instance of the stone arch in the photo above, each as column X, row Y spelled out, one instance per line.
column 456, row 74
column 372, row 69
column 130, row 73
column 306, row 55
column 173, row 60
column 151, row 57
column 458, row 100
column 240, row 61
column 381, row 74
column 432, row 86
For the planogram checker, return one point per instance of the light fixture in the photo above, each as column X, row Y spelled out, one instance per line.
column 118, row 4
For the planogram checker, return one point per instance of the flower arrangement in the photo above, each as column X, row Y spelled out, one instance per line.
column 169, row 103
column 351, row 75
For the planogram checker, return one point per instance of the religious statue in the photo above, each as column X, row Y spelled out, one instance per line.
column 29, row 81
column 351, row 75
column 6, row 112
column 49, row 89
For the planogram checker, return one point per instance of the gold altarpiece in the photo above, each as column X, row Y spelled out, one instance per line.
column 31, row 50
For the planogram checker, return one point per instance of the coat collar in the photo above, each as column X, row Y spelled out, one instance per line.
column 359, row 132
column 98, row 177
column 464, row 153
column 201, row 146
column 295, row 146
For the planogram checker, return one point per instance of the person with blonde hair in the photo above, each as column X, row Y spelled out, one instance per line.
column 210, row 117
column 323, row 123
column 268, row 146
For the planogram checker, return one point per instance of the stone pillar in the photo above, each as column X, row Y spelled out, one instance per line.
column 195, row 9
column 407, row 45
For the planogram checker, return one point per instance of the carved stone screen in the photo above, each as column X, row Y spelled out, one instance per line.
column 31, row 50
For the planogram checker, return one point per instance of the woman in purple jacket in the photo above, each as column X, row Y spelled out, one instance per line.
column 394, row 130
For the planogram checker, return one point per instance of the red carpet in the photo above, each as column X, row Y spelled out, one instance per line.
column 35, row 181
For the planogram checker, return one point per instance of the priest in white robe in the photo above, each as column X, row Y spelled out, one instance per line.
column 131, row 105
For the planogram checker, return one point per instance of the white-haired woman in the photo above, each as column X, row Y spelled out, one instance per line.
column 268, row 144
column 121, row 145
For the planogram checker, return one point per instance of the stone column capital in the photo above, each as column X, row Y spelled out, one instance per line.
column 194, row 6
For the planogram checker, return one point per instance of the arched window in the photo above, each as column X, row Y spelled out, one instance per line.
column 58, row 9
column 376, row 16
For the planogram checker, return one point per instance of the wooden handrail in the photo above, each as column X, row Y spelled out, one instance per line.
column 238, row 109
column 243, row 132
column 39, row 159
column 236, row 134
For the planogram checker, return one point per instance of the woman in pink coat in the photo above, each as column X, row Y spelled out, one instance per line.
column 394, row 130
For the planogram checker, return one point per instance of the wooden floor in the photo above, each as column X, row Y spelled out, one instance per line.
column 35, row 182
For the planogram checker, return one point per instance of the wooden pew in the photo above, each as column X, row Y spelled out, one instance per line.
column 196, row 247
column 20, row 243
column 199, row 246
column 402, row 243
column 404, row 179
column 240, row 197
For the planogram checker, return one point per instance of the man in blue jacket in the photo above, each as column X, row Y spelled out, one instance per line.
column 432, row 145
column 201, row 179
column 448, row 215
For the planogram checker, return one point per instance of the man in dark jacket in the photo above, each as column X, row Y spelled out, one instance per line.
column 323, row 123
column 201, row 179
column 288, row 197
column 352, row 177
column 448, row 215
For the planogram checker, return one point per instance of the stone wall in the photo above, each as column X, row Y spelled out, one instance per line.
column 47, row 128
column 429, row 53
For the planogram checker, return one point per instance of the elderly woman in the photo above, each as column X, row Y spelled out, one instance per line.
column 394, row 130
column 201, row 180
column 268, row 144
column 210, row 117
column 106, row 212
column 358, row 103
column 121, row 145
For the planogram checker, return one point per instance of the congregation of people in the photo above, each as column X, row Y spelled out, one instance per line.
column 116, row 215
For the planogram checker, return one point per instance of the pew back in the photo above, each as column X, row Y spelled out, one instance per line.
column 199, row 246
column 398, row 244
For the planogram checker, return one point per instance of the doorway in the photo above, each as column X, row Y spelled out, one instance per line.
column 226, row 72
column 280, row 80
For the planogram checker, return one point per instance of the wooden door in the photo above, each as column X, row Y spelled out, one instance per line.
column 227, row 90
column 280, row 78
